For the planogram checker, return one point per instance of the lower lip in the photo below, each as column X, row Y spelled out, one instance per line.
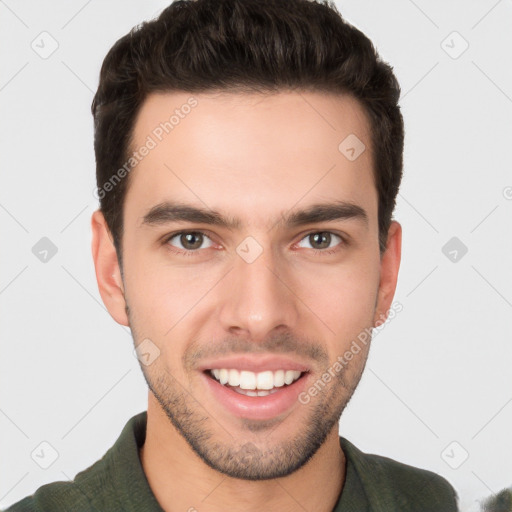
column 257, row 407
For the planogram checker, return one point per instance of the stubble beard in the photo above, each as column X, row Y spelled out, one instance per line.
column 242, row 459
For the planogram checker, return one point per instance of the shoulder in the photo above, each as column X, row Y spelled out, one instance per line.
column 108, row 484
column 55, row 496
column 412, row 488
column 85, row 493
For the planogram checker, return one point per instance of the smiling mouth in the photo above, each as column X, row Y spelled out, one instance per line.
column 254, row 384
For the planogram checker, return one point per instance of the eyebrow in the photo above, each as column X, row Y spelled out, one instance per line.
column 168, row 212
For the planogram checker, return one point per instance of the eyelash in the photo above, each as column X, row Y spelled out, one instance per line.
column 316, row 252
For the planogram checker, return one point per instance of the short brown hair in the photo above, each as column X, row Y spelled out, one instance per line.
column 251, row 46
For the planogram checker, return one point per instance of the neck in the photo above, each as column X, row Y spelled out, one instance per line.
column 181, row 481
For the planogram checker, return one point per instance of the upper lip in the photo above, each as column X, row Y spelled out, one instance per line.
column 254, row 363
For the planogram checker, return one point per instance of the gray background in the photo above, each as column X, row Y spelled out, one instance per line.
column 437, row 387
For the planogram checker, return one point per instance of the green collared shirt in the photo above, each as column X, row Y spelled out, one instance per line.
column 117, row 483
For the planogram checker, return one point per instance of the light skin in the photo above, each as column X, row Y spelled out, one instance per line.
column 260, row 159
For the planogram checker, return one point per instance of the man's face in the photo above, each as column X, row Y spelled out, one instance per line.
column 259, row 300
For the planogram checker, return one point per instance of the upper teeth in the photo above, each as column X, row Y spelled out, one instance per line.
column 250, row 380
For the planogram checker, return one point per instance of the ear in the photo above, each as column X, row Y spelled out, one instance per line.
column 108, row 273
column 389, row 265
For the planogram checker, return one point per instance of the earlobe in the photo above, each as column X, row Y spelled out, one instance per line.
column 108, row 273
column 389, row 266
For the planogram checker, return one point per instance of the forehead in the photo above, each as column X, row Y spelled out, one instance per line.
column 251, row 155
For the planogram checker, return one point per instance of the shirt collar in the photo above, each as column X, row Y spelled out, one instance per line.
column 129, row 478
column 135, row 494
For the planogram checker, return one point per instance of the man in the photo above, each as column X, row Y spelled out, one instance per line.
column 249, row 154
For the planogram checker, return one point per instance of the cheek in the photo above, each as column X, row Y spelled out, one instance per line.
column 163, row 297
column 161, row 307
column 343, row 298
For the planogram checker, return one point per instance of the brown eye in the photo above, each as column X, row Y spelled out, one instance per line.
column 321, row 240
column 189, row 240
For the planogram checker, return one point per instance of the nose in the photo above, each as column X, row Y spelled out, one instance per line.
column 259, row 298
